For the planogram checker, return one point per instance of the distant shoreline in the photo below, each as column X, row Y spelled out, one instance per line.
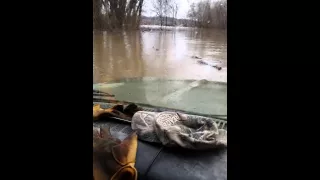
column 160, row 28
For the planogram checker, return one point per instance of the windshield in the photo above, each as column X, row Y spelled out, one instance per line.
column 175, row 58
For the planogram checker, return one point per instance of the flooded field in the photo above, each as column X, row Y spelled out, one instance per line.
column 172, row 54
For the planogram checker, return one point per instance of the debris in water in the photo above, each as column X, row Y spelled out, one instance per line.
column 217, row 67
column 196, row 57
column 202, row 62
column 206, row 63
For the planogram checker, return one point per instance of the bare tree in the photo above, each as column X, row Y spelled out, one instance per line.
column 220, row 12
column 158, row 8
column 167, row 9
column 192, row 13
column 133, row 13
column 174, row 10
column 97, row 14
column 109, row 14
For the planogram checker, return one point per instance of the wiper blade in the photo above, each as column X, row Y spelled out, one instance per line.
column 100, row 93
column 120, row 119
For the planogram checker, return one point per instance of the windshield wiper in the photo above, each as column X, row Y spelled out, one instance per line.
column 100, row 93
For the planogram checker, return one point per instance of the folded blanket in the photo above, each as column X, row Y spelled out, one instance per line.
column 113, row 159
column 177, row 129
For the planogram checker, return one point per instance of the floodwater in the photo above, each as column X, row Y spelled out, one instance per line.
column 159, row 54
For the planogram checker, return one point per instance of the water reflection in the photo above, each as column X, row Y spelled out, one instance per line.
column 161, row 54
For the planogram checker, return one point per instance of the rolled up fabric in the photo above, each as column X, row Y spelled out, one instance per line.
column 177, row 129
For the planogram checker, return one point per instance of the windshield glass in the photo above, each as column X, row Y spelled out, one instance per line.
column 175, row 58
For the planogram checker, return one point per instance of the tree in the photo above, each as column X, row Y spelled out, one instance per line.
column 108, row 14
column 174, row 11
column 158, row 8
column 192, row 13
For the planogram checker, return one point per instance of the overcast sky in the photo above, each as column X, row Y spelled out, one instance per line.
column 183, row 7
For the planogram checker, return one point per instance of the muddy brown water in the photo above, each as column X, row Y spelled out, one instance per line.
column 159, row 54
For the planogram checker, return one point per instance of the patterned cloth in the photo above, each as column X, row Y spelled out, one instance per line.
column 177, row 129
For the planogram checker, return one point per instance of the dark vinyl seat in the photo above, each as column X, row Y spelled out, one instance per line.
column 155, row 162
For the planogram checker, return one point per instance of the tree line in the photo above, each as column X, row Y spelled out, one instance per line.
column 115, row 14
column 209, row 14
